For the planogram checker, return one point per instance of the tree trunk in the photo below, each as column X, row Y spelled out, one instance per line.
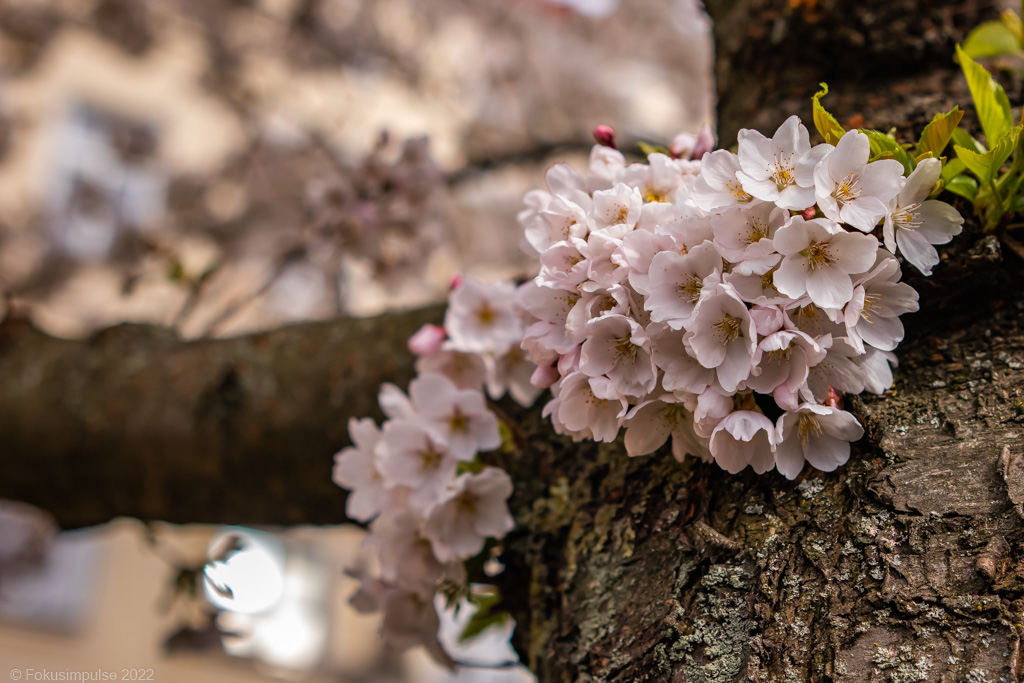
column 907, row 564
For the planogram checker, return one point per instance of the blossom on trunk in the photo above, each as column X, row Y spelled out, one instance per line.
column 780, row 169
column 469, row 512
column 677, row 282
column 482, row 318
column 618, row 348
column 818, row 259
column 915, row 223
column 744, row 438
column 650, row 424
column 723, row 337
column 414, row 456
column 718, row 186
column 356, row 469
column 590, row 406
column 747, row 234
column 849, row 189
column 459, row 416
column 817, row 434
column 879, row 299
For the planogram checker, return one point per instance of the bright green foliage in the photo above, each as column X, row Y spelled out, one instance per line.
column 1003, row 38
column 826, row 124
column 937, row 134
column 978, row 172
column 648, row 149
column 486, row 615
column 990, row 100
column 985, row 166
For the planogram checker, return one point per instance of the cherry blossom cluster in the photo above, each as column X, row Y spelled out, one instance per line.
column 726, row 302
column 430, row 503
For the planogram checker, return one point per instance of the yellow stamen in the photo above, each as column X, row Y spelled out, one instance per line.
column 848, row 190
column 729, row 329
column 808, row 428
column 818, row 255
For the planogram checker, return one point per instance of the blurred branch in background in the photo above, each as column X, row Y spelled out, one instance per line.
column 219, row 167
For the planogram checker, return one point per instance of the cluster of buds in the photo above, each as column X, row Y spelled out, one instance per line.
column 726, row 302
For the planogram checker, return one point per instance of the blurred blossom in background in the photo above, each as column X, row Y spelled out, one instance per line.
column 224, row 166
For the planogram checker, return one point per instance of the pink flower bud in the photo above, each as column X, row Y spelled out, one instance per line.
column 833, row 399
column 427, row 340
column 605, row 135
column 682, row 145
column 544, row 376
column 690, row 146
column 808, row 213
column 455, row 283
column 705, row 142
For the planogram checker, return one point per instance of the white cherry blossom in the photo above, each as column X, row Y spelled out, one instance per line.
column 876, row 367
column 469, row 512
column 650, row 424
column 481, row 317
column 879, row 299
column 617, row 347
column 355, row 468
column 818, row 259
column 744, row 438
column 849, row 189
column 784, row 357
column 406, row 557
column 681, row 370
column 723, row 337
column 819, row 435
column 677, row 282
column 466, row 370
column 915, row 223
column 590, row 406
column 747, row 234
column 718, row 186
column 780, row 169
column 414, row 456
column 459, row 416
column 620, row 205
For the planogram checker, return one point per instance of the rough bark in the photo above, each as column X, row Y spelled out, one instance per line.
column 907, row 564
column 772, row 54
column 135, row 422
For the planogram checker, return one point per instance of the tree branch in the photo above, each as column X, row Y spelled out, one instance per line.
column 134, row 421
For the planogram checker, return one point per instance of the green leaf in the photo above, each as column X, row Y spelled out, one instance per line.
column 965, row 139
column 964, row 186
column 883, row 146
column 826, row 124
column 1012, row 22
column 952, row 169
column 991, row 39
column 1017, row 203
column 485, row 616
column 986, row 165
column 649, row 149
column 480, row 622
column 472, row 467
column 990, row 100
column 937, row 134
